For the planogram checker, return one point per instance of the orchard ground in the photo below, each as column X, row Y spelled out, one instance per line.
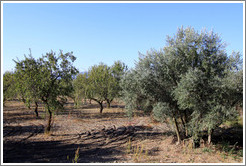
column 110, row 137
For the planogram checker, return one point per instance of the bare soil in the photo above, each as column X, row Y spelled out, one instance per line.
column 110, row 137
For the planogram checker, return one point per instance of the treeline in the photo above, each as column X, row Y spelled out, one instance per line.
column 191, row 83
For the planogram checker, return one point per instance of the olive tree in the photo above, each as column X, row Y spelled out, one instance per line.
column 211, row 88
column 183, row 82
column 47, row 79
column 98, row 82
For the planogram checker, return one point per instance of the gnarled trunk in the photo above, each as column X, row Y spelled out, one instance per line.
column 48, row 127
column 101, row 107
column 100, row 103
column 36, row 108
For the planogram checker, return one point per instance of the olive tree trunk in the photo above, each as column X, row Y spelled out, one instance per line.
column 48, row 127
column 101, row 107
column 177, row 130
column 100, row 103
column 36, row 108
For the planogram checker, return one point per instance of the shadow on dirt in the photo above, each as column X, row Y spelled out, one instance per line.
column 232, row 136
column 22, row 130
column 55, row 152
column 21, row 118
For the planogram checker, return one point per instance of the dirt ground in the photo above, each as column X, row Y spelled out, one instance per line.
column 110, row 137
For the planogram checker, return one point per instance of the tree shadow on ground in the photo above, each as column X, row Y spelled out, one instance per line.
column 55, row 152
column 232, row 135
column 21, row 118
column 22, row 130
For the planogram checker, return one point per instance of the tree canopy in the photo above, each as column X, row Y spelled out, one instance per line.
column 188, row 81
column 100, row 83
column 47, row 79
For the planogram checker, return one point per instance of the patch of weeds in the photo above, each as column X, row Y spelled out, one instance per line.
column 239, row 155
column 206, row 149
column 226, row 147
column 230, row 151
column 137, row 152
column 76, row 156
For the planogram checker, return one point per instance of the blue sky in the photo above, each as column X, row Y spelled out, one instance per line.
column 109, row 32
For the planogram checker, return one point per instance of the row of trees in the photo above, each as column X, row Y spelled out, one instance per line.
column 52, row 79
column 192, row 82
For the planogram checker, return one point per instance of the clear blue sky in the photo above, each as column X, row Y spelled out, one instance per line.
column 109, row 32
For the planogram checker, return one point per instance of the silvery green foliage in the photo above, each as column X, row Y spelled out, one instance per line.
column 192, row 76
column 206, row 100
column 130, row 90
column 233, row 82
column 161, row 111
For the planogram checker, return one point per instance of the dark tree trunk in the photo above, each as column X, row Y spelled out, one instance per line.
column 177, row 130
column 36, row 108
column 47, row 130
column 101, row 107
column 100, row 103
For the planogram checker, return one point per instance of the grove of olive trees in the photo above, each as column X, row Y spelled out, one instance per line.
column 191, row 83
